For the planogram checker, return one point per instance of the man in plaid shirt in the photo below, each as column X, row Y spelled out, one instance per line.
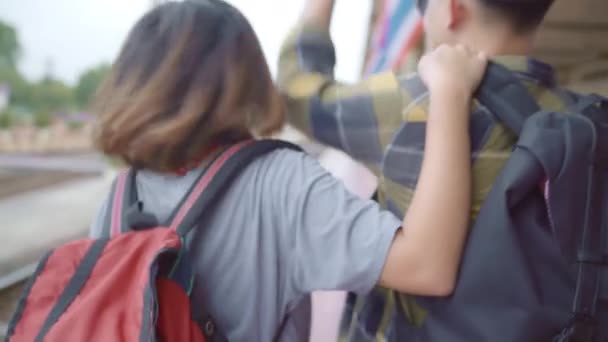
column 381, row 120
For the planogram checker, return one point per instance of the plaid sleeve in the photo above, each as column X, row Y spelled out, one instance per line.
column 357, row 118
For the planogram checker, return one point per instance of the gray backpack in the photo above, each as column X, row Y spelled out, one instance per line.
column 535, row 266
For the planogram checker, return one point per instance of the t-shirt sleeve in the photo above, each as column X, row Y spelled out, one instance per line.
column 334, row 239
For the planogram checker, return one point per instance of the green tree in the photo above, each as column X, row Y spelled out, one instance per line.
column 7, row 119
column 20, row 87
column 88, row 83
column 41, row 99
column 51, row 96
column 9, row 56
column 42, row 119
column 9, row 46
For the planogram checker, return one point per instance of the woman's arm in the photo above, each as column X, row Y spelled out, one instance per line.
column 426, row 252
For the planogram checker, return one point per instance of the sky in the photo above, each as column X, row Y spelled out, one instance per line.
column 66, row 37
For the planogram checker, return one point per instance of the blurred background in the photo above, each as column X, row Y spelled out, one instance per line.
column 54, row 54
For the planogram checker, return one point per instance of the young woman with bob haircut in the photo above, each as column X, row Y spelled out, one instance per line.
column 191, row 79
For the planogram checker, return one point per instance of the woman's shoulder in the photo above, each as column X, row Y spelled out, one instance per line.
column 290, row 163
column 285, row 154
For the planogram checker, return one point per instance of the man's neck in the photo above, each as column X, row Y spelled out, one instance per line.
column 501, row 42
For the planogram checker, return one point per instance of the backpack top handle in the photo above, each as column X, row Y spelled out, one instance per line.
column 506, row 97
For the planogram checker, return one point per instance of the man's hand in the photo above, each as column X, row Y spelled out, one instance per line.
column 318, row 12
column 454, row 69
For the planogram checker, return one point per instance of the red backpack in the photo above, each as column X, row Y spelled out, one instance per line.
column 130, row 285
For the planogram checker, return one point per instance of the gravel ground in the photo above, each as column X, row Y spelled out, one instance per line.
column 8, row 304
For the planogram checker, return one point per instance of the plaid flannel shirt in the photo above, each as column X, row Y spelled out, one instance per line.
column 380, row 121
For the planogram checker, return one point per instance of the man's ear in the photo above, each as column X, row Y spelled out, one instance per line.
column 457, row 13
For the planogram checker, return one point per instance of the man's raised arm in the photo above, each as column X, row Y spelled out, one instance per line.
column 348, row 117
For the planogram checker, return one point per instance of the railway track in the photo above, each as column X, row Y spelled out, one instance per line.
column 15, row 181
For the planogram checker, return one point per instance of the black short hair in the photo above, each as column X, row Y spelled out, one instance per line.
column 524, row 15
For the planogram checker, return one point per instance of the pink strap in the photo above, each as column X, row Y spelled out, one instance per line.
column 117, row 204
column 204, row 182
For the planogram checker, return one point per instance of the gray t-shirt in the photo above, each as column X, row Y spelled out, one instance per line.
column 284, row 229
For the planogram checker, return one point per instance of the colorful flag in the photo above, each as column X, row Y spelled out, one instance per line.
column 397, row 31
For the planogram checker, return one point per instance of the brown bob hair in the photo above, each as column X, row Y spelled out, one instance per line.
column 190, row 75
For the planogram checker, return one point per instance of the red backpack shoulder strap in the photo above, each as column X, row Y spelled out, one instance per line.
column 217, row 177
column 121, row 197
